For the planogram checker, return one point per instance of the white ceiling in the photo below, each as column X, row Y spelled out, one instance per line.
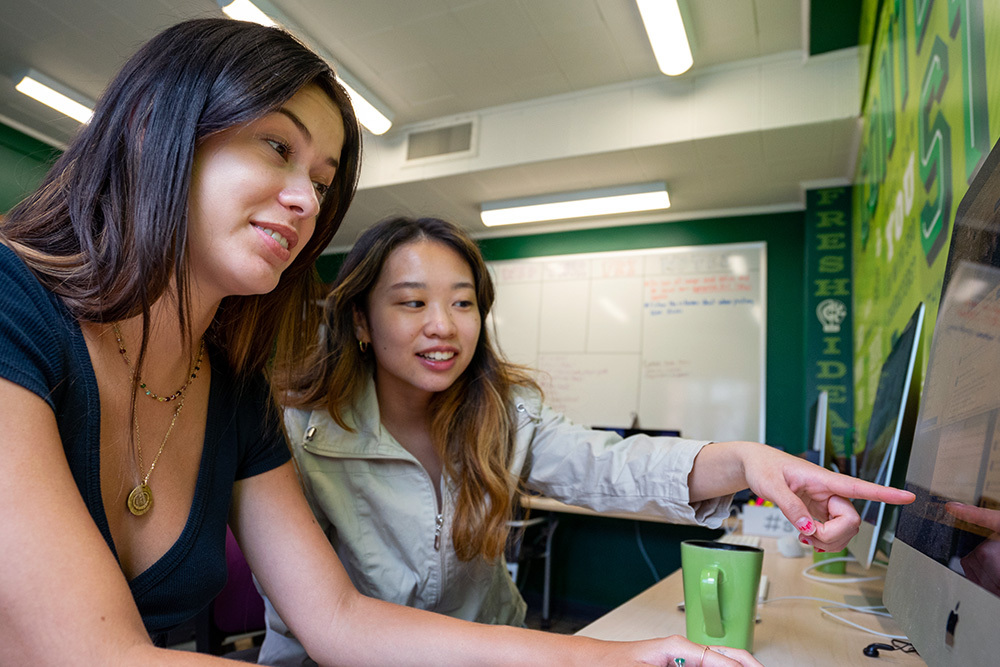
column 563, row 94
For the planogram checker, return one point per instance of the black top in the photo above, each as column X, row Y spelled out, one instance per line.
column 42, row 348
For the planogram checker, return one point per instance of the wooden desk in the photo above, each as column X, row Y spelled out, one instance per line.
column 550, row 505
column 791, row 632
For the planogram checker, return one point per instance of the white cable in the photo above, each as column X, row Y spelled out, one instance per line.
column 865, row 609
column 838, row 579
column 645, row 556
column 861, row 627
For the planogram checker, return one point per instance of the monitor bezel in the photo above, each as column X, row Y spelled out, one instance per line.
column 921, row 594
column 864, row 545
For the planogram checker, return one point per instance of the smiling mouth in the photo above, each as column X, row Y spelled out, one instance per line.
column 275, row 235
column 436, row 356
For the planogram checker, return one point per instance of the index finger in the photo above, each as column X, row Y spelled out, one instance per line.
column 980, row 516
column 852, row 487
column 716, row 654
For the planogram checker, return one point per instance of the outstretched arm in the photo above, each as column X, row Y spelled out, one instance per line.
column 300, row 571
column 814, row 499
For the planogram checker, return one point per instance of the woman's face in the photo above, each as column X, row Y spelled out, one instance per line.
column 255, row 192
column 423, row 320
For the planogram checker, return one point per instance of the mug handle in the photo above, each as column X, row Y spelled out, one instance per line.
column 710, row 601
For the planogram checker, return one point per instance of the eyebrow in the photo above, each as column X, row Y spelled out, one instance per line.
column 333, row 162
column 419, row 285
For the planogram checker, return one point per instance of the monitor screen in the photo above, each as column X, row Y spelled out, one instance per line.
column 890, row 432
column 629, row 432
column 943, row 583
column 817, row 452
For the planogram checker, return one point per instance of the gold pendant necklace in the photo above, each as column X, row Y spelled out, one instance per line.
column 140, row 500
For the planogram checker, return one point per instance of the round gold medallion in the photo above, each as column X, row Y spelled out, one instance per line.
column 140, row 500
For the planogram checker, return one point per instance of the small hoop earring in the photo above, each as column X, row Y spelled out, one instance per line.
column 363, row 346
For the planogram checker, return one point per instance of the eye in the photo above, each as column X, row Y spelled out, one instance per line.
column 465, row 303
column 413, row 304
column 321, row 190
column 280, row 147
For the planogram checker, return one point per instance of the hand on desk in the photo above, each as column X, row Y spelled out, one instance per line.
column 814, row 499
column 666, row 652
column 982, row 564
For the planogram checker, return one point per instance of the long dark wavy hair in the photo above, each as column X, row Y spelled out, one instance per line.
column 472, row 424
column 107, row 229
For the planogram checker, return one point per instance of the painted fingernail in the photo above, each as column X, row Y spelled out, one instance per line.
column 806, row 525
column 822, row 551
column 805, row 540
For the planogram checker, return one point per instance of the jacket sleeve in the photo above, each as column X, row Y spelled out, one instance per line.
column 603, row 472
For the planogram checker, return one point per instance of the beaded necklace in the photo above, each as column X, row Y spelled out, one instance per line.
column 140, row 500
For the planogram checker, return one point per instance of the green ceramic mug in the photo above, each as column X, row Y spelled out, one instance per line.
column 720, row 592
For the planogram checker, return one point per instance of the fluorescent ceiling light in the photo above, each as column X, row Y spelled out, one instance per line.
column 368, row 114
column 244, row 10
column 583, row 204
column 665, row 29
column 54, row 94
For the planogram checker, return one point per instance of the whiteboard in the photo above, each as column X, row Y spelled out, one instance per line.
column 672, row 337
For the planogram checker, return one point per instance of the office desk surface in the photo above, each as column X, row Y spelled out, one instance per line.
column 550, row 505
column 791, row 632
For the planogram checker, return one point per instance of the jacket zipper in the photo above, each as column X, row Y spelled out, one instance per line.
column 438, row 519
column 438, row 523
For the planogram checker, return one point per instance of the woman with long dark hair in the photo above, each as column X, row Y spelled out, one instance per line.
column 413, row 437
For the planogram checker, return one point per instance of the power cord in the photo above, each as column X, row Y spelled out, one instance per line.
column 874, row 610
column 645, row 556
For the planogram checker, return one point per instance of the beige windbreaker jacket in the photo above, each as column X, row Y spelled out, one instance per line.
column 378, row 506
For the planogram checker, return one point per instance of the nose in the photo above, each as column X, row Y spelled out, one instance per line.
column 299, row 195
column 440, row 323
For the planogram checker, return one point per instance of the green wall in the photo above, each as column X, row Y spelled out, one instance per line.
column 23, row 163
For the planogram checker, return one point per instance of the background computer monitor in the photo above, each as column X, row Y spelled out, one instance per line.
column 887, row 444
column 938, row 586
column 820, row 431
column 627, row 432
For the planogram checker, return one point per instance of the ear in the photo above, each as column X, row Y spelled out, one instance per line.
column 361, row 326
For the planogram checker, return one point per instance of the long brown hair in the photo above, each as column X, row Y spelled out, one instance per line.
column 472, row 423
column 107, row 229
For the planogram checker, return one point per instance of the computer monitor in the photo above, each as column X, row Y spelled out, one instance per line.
column 887, row 444
column 627, row 432
column 941, row 586
column 820, row 431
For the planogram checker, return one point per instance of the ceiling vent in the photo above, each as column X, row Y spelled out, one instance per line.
column 441, row 142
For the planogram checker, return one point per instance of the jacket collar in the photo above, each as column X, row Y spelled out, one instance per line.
column 370, row 439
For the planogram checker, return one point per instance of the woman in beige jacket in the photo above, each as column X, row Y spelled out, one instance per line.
column 412, row 436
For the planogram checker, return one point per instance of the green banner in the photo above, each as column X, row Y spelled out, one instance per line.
column 927, row 128
column 829, row 309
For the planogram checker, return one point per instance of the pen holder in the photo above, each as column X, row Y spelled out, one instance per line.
column 831, row 568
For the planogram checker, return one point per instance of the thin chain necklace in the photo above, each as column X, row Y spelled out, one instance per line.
column 140, row 500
